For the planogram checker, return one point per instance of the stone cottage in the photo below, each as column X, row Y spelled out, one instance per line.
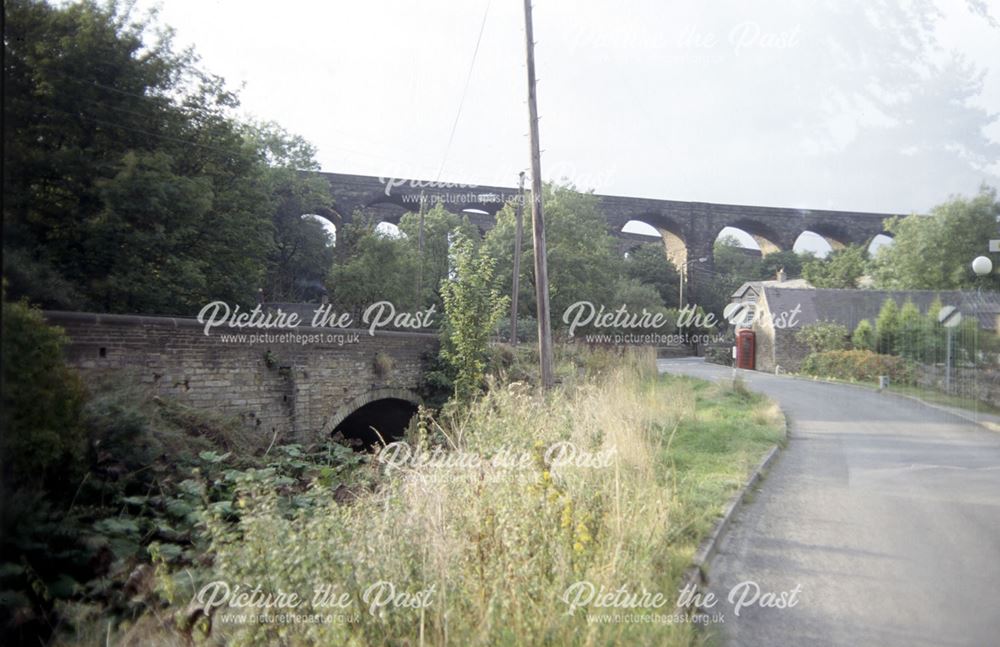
column 781, row 308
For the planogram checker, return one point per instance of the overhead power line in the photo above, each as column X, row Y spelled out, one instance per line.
column 465, row 90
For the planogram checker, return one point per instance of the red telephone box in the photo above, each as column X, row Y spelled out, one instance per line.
column 745, row 349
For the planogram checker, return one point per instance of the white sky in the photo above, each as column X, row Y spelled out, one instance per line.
column 734, row 101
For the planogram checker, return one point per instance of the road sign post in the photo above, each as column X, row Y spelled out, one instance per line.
column 949, row 317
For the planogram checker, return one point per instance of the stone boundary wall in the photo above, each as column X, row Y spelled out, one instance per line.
column 284, row 389
column 981, row 384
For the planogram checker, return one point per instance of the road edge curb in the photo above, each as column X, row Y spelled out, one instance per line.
column 695, row 575
column 985, row 424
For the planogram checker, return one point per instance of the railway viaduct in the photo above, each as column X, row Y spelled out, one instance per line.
column 688, row 229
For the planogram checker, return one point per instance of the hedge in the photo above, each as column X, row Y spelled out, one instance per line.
column 860, row 365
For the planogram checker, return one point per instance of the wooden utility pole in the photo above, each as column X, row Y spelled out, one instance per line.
column 518, row 233
column 538, row 224
column 420, row 252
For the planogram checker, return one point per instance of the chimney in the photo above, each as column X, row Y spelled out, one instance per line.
column 781, row 275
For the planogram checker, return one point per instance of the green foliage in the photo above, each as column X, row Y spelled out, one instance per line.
column 527, row 329
column 377, row 267
column 472, row 308
column 864, row 336
column 648, row 264
column 914, row 334
column 859, row 365
column 734, row 266
column 583, row 261
column 301, row 251
column 639, row 298
column 887, row 328
column 380, row 266
column 158, row 469
column 788, row 260
column 842, row 268
column 440, row 227
column 823, row 336
column 935, row 251
column 128, row 185
column 43, row 441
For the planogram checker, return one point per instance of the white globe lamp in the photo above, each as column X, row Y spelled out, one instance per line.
column 982, row 266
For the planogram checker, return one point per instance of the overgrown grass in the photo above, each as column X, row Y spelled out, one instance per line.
column 497, row 546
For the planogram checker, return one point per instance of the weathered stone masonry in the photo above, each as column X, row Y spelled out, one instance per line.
column 688, row 230
column 296, row 391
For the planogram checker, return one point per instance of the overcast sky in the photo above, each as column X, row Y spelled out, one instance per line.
column 871, row 105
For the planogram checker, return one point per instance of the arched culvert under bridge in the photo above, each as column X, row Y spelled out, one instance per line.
column 374, row 418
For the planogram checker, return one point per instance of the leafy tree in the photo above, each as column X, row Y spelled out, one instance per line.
column 583, row 262
column 788, row 260
column 377, row 267
column 472, row 307
column 648, row 263
column 887, row 328
column 637, row 296
column 733, row 267
column 128, row 185
column 301, row 251
column 864, row 336
column 43, row 440
column 440, row 228
column 842, row 268
column 733, row 259
column 823, row 336
column 935, row 251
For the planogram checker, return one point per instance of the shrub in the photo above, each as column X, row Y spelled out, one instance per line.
column 823, row 336
column 914, row 334
column 472, row 308
column 864, row 336
column 887, row 327
column 859, row 365
column 42, row 399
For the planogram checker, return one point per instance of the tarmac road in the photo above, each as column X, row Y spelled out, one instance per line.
column 885, row 512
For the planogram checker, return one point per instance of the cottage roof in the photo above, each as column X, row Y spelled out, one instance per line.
column 756, row 286
column 849, row 307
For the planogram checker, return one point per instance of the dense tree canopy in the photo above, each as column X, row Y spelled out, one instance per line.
column 128, row 185
column 648, row 264
column 583, row 262
column 841, row 268
column 936, row 251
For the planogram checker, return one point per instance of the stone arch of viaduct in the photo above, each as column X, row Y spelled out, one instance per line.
column 688, row 229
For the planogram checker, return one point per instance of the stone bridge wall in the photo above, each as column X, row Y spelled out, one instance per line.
column 288, row 389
